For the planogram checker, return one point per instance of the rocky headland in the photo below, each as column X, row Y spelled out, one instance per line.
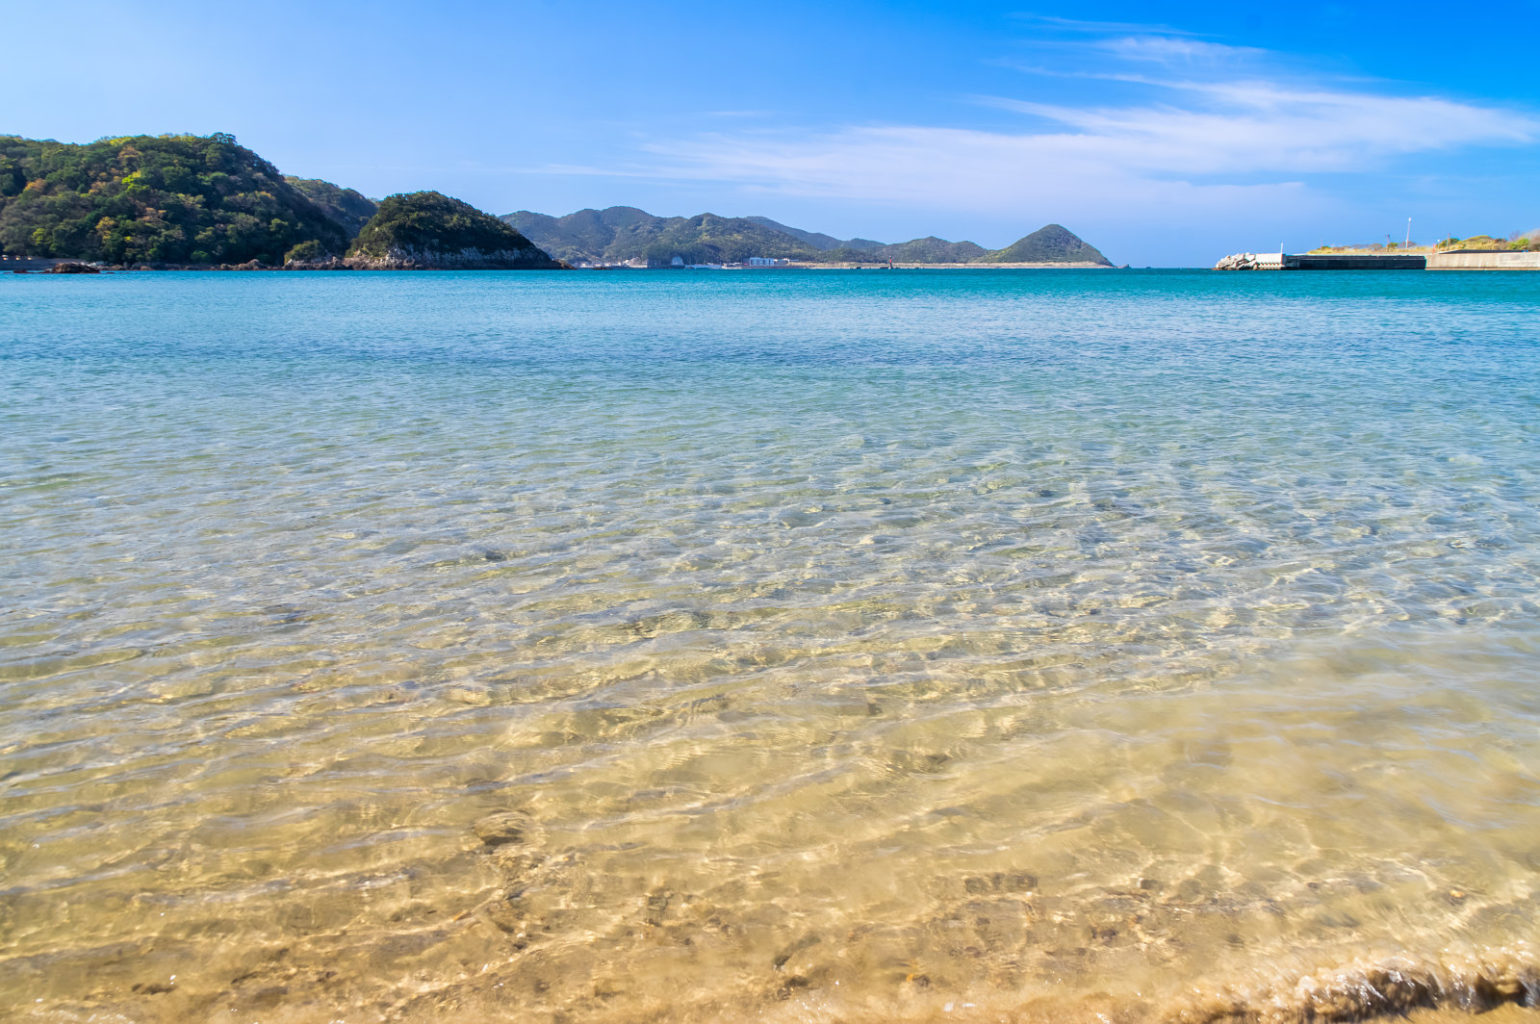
column 431, row 231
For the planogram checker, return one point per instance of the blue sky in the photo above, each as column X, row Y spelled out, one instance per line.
column 1166, row 134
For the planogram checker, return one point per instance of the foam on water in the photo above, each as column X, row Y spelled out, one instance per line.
column 780, row 646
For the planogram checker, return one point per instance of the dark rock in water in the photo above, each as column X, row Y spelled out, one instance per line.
column 504, row 828
column 657, row 907
column 72, row 268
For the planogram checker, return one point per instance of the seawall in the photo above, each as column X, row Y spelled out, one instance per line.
column 1484, row 260
column 1354, row 261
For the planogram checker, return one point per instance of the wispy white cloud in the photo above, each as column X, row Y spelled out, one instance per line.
column 1260, row 128
column 1058, row 175
column 1168, row 50
column 1208, row 125
column 1096, row 27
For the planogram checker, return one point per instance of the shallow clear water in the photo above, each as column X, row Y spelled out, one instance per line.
column 785, row 646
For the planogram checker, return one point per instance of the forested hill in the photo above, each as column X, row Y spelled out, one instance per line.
column 346, row 206
column 817, row 239
column 154, row 199
column 431, row 230
column 1048, row 244
column 623, row 234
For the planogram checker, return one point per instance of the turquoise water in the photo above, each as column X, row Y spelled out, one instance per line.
column 785, row 646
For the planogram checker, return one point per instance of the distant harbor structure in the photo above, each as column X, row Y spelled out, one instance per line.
column 1447, row 259
column 10, row 261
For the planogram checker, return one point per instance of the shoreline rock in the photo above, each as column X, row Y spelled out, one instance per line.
column 413, row 258
column 1238, row 261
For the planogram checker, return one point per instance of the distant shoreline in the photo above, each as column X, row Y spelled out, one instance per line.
column 1086, row 265
column 47, row 265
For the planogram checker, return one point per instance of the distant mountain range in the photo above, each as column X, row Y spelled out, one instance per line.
column 624, row 234
column 188, row 200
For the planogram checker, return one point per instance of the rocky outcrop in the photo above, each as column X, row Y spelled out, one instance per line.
column 414, row 258
column 72, row 268
column 323, row 263
column 1238, row 261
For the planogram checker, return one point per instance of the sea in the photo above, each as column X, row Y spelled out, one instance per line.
column 783, row 646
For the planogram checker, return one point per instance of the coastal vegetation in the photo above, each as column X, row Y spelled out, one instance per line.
column 348, row 207
column 1522, row 241
column 920, row 250
column 154, row 199
column 1529, row 242
column 430, row 229
column 817, row 239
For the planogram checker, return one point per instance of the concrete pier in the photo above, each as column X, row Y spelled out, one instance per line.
column 1452, row 259
column 1355, row 261
column 1484, row 259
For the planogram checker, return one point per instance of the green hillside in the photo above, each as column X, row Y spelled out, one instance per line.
column 920, row 250
column 154, row 199
column 1049, row 244
column 348, row 207
column 816, row 239
column 708, row 238
column 430, row 229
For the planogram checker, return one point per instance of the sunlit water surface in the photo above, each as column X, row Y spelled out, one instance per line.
column 817, row 647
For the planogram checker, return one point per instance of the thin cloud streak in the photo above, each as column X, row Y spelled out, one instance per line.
column 1099, row 27
column 1225, row 129
column 1252, row 126
column 1058, row 175
column 1168, row 50
column 1124, row 157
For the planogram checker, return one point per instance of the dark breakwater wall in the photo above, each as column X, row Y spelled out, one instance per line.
column 1343, row 261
